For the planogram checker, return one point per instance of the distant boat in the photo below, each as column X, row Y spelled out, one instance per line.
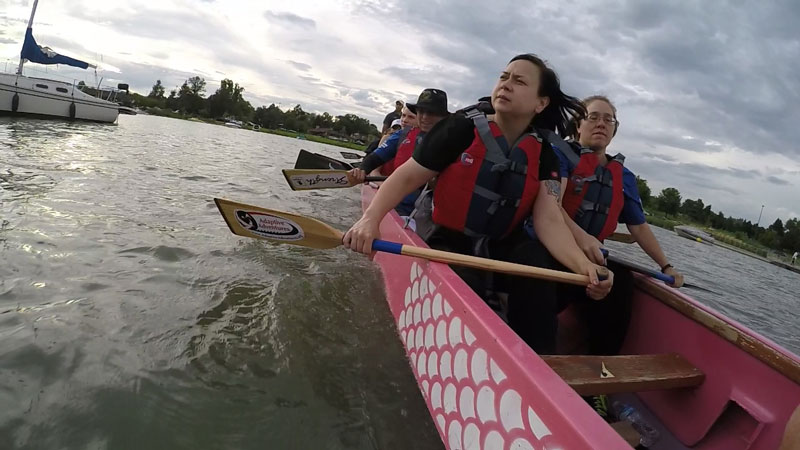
column 20, row 94
column 233, row 124
column 694, row 234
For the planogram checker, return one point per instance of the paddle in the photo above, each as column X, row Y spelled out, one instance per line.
column 351, row 155
column 286, row 228
column 308, row 160
column 625, row 238
column 669, row 279
column 305, row 179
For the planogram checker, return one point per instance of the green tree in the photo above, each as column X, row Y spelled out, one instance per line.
column 791, row 236
column 197, row 85
column 157, row 91
column 297, row 119
column 323, row 120
column 173, row 103
column 229, row 102
column 190, row 95
column 644, row 190
column 269, row 117
column 696, row 210
column 769, row 238
column 777, row 227
column 669, row 200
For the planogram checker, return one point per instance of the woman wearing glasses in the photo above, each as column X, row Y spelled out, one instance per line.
column 598, row 192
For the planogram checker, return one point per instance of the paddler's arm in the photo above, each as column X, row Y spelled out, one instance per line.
column 633, row 217
column 405, row 180
column 441, row 147
column 647, row 241
column 557, row 238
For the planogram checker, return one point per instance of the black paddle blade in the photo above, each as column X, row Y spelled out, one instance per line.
column 308, row 160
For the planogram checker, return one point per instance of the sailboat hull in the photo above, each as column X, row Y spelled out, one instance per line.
column 51, row 98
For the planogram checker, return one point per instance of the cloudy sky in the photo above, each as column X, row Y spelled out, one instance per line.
column 707, row 91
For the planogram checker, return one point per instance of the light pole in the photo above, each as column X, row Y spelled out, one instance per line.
column 759, row 215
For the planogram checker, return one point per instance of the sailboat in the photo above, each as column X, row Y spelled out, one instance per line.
column 26, row 95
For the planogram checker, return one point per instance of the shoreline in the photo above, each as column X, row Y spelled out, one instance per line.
column 285, row 133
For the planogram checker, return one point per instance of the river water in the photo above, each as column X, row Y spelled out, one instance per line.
column 130, row 317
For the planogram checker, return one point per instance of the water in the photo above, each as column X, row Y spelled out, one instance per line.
column 130, row 317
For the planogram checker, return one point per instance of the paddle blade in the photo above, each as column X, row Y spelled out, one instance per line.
column 308, row 160
column 277, row 226
column 304, row 179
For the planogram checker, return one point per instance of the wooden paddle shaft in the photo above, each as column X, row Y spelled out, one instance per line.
column 498, row 266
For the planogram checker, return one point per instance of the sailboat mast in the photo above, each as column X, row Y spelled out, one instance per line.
column 30, row 24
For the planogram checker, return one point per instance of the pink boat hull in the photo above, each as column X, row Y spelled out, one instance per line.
column 486, row 389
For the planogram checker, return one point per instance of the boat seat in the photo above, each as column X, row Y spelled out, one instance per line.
column 593, row 375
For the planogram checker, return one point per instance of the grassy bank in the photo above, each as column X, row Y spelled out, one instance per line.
column 320, row 139
column 738, row 240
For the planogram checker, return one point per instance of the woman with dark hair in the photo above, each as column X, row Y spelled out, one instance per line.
column 491, row 176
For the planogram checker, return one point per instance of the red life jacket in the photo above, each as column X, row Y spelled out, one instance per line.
column 491, row 188
column 408, row 141
column 594, row 196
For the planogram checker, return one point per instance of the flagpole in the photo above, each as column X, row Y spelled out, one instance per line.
column 30, row 24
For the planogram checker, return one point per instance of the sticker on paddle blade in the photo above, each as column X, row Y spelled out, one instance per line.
column 269, row 226
column 318, row 181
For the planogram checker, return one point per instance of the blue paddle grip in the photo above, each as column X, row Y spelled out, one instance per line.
column 387, row 247
column 669, row 279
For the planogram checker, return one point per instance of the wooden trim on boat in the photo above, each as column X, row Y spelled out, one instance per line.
column 756, row 348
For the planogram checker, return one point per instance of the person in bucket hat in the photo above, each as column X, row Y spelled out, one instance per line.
column 433, row 101
column 430, row 108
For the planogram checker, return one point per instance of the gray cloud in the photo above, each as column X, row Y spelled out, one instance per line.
column 191, row 26
column 299, row 66
column 779, row 181
column 659, row 157
column 285, row 18
column 697, row 71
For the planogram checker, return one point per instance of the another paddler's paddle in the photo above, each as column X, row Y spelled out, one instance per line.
column 304, row 179
column 351, row 155
column 669, row 279
column 625, row 238
column 308, row 160
column 286, row 228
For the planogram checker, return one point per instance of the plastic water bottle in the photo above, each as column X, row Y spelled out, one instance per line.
column 647, row 434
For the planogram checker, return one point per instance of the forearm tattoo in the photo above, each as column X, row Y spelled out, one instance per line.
column 553, row 188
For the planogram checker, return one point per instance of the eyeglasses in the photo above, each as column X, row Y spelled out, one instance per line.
column 607, row 118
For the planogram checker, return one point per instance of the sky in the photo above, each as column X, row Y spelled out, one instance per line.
column 707, row 92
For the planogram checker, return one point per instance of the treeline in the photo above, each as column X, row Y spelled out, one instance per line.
column 781, row 236
column 227, row 103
